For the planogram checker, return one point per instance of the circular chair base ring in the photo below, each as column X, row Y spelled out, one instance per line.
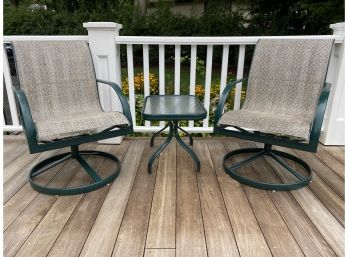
column 55, row 160
column 302, row 182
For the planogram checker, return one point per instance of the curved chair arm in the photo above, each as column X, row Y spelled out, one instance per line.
column 26, row 117
column 122, row 97
column 319, row 115
column 223, row 97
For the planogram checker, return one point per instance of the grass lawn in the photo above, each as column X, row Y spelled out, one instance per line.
column 184, row 77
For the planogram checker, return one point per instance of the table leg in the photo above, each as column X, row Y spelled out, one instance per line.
column 157, row 133
column 187, row 134
column 161, row 147
column 186, row 147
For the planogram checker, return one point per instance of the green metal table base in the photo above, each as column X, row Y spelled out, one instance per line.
column 276, row 155
column 97, row 181
column 173, row 132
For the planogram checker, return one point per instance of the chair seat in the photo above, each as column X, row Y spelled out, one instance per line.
column 286, row 125
column 78, row 124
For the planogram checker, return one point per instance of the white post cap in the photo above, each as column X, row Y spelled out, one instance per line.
column 102, row 25
column 338, row 28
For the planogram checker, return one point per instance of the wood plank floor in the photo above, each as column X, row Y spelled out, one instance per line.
column 174, row 211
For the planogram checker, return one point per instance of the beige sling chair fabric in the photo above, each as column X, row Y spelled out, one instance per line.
column 59, row 81
column 284, row 84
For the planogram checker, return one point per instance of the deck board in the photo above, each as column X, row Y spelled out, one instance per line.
column 325, row 173
column 101, row 239
column 159, row 253
column 277, row 234
column 249, row 237
column 10, row 155
column 322, row 218
column 218, row 231
column 21, row 228
column 331, row 161
column 174, row 211
column 304, row 231
column 335, row 151
column 327, row 196
column 76, row 230
column 132, row 236
column 161, row 230
column 20, row 177
column 190, row 238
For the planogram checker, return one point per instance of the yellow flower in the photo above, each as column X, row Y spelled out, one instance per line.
column 199, row 91
column 139, row 84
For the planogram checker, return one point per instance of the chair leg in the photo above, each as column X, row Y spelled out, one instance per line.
column 278, row 157
column 250, row 159
column 286, row 166
column 51, row 162
column 88, row 169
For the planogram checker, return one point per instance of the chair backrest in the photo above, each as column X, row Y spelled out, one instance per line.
column 286, row 76
column 57, row 77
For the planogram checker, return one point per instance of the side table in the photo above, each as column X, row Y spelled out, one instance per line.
column 172, row 109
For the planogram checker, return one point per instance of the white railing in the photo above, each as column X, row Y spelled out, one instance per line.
column 105, row 42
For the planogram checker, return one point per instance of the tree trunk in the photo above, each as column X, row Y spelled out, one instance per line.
column 140, row 7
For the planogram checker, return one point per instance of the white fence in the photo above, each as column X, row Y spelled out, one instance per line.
column 105, row 42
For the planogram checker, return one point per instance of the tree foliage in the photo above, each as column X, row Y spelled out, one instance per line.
column 293, row 17
column 267, row 17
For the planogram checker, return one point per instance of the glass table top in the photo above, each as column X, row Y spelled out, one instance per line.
column 173, row 107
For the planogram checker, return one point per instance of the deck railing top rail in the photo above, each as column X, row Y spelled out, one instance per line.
column 239, row 40
column 170, row 40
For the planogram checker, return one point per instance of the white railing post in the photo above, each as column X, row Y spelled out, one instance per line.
column 107, row 63
column 333, row 127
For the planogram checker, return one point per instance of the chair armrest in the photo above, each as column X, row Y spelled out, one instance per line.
column 122, row 97
column 26, row 117
column 223, row 97
column 319, row 113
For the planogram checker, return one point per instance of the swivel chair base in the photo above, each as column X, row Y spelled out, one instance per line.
column 97, row 181
column 276, row 155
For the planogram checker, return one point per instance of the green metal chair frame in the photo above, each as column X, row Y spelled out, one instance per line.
column 269, row 140
column 73, row 143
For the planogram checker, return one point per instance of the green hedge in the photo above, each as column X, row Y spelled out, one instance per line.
column 271, row 17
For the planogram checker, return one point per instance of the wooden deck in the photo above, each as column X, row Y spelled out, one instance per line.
column 174, row 211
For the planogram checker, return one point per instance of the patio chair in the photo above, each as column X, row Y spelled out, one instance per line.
column 284, row 105
column 59, row 107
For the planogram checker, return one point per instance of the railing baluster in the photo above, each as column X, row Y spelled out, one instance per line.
column 177, row 70
column 193, row 75
column 208, row 83
column 161, row 70
column 130, row 67
column 161, row 73
column 224, row 68
column 10, row 94
column 146, row 76
column 240, row 70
